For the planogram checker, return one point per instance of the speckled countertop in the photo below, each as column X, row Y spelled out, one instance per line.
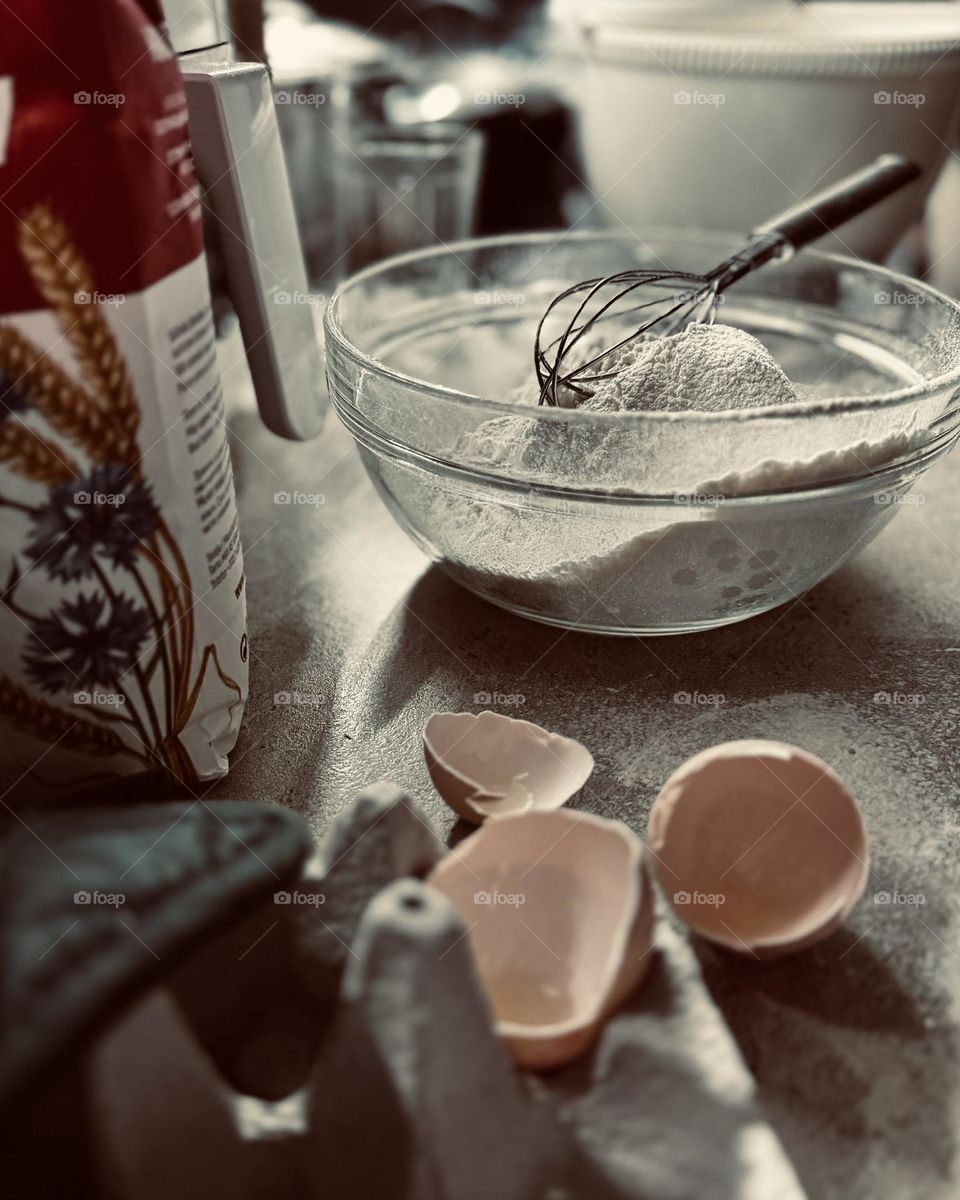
column 855, row 1044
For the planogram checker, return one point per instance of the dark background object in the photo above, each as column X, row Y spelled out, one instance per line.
column 456, row 23
column 527, row 171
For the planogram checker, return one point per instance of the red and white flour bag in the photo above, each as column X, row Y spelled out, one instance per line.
column 122, row 606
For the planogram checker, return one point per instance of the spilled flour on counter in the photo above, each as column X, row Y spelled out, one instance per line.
column 612, row 561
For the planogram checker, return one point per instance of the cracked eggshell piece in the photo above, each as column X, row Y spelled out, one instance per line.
column 487, row 764
column 759, row 847
column 559, row 909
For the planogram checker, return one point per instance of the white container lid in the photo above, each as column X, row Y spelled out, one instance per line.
column 770, row 37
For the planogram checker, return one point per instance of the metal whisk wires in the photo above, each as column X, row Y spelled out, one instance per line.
column 681, row 296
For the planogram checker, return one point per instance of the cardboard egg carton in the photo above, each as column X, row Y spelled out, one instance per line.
column 338, row 1043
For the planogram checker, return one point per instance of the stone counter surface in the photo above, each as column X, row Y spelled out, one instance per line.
column 854, row 1043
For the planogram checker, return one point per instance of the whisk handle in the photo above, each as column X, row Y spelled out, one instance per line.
column 834, row 205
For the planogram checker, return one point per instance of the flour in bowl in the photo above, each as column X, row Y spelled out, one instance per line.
column 640, row 562
column 709, row 368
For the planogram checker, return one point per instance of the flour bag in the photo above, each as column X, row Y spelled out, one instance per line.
column 122, row 607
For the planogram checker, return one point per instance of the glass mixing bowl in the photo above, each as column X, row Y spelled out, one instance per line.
column 628, row 522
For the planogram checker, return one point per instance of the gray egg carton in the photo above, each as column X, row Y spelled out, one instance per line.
column 362, row 980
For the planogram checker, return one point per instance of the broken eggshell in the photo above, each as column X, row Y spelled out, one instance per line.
column 487, row 764
column 759, row 846
column 559, row 909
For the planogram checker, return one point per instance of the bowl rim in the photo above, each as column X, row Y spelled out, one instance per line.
column 798, row 409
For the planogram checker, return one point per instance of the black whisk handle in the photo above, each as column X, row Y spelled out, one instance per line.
column 831, row 207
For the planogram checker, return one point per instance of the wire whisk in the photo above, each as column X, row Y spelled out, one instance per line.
column 663, row 301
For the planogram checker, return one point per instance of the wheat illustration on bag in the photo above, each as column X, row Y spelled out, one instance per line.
column 125, row 619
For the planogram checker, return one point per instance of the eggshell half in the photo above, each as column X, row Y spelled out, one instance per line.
column 487, row 764
column 560, row 915
column 759, row 846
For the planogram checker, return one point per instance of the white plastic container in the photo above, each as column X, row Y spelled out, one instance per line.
column 713, row 116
